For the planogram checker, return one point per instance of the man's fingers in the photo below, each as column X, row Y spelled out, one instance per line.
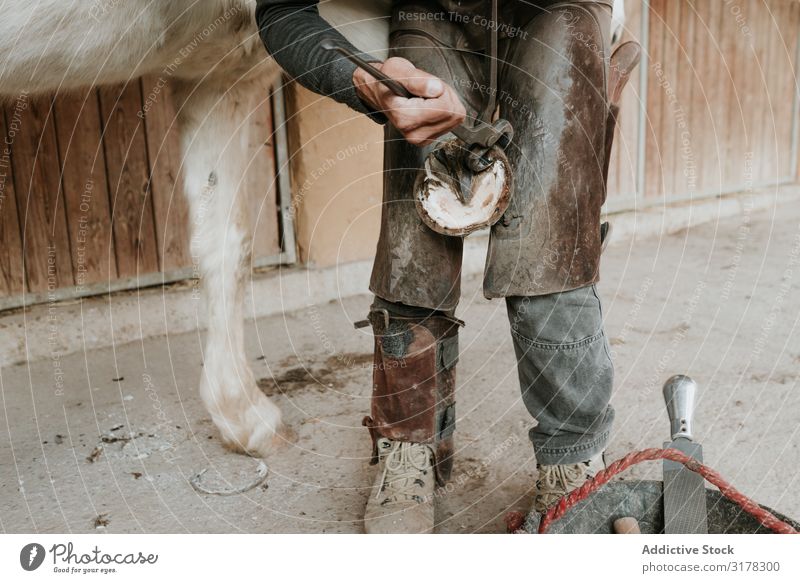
column 424, row 85
column 422, row 119
column 418, row 82
column 425, row 135
column 409, row 114
column 429, row 110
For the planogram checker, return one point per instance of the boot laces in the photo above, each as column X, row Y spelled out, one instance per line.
column 404, row 463
column 556, row 480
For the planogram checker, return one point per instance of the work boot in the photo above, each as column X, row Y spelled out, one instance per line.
column 401, row 501
column 556, row 481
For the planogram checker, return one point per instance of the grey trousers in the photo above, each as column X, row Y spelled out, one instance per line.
column 565, row 372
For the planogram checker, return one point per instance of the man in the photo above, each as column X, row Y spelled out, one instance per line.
column 543, row 253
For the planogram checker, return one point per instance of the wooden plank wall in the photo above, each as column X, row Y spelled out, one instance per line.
column 623, row 168
column 90, row 192
column 720, row 100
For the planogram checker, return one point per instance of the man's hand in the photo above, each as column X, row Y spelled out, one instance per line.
column 422, row 119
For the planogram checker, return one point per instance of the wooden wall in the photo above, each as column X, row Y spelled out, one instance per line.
column 623, row 168
column 719, row 108
column 91, row 195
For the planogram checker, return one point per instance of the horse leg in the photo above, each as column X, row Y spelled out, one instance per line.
column 213, row 119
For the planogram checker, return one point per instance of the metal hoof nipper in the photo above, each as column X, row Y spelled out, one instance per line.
column 467, row 182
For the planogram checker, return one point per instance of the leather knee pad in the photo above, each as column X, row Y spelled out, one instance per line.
column 413, row 388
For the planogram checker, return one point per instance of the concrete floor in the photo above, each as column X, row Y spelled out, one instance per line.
column 718, row 302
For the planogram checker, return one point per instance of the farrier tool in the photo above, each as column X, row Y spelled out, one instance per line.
column 688, row 508
column 477, row 139
column 684, row 490
column 467, row 183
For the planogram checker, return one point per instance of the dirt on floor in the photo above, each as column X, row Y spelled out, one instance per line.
column 109, row 440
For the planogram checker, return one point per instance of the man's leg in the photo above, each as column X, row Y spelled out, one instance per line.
column 566, row 377
column 412, row 414
column 416, row 280
column 544, row 252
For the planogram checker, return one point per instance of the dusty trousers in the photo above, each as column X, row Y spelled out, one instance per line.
column 544, row 253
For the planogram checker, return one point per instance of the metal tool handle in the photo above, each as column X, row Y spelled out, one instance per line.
column 679, row 396
column 461, row 132
column 483, row 135
column 393, row 85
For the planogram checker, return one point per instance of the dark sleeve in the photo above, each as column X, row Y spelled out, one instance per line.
column 292, row 33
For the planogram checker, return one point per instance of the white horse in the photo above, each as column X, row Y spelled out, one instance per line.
column 220, row 71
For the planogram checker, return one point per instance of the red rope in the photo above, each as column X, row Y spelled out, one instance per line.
column 764, row 517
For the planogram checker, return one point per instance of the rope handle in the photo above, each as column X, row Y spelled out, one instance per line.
column 764, row 517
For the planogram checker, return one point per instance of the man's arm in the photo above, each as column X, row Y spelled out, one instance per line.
column 292, row 32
